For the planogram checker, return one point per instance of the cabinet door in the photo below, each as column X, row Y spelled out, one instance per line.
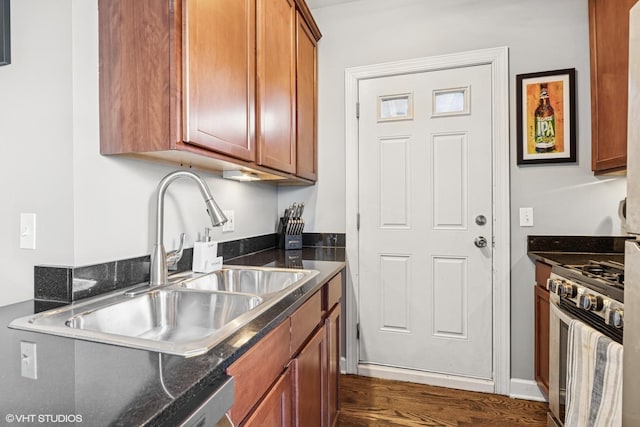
column 333, row 365
column 542, row 338
column 306, row 100
column 310, row 387
column 276, row 80
column 305, row 320
column 609, row 42
column 257, row 369
column 275, row 410
column 219, row 81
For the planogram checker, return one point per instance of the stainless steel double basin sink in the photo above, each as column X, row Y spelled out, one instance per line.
column 187, row 317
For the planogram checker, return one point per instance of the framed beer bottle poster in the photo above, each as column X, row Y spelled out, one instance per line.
column 546, row 117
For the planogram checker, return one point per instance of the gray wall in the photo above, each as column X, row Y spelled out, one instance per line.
column 36, row 153
column 542, row 35
column 90, row 208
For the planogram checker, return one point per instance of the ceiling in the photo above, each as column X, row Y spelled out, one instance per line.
column 315, row 4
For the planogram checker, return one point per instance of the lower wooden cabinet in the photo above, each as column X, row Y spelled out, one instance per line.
column 256, row 370
column 332, row 326
column 541, row 312
column 291, row 377
column 276, row 407
column 311, row 368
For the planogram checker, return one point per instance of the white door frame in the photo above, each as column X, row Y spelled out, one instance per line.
column 497, row 58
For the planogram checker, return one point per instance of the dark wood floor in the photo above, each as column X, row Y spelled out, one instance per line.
column 373, row 402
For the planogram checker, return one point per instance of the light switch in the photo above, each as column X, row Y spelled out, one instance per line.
column 28, row 360
column 526, row 217
column 27, row 231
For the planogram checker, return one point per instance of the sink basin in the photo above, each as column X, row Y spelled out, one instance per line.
column 167, row 315
column 256, row 281
column 188, row 317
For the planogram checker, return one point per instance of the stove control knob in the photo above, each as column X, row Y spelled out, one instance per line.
column 567, row 290
column 615, row 318
column 553, row 284
column 590, row 302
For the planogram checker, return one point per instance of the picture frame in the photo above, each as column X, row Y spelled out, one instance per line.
column 546, row 117
column 5, row 32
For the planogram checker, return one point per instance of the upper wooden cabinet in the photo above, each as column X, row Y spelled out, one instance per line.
column 210, row 84
column 306, row 100
column 140, row 71
column 276, row 84
column 609, row 42
column 219, row 85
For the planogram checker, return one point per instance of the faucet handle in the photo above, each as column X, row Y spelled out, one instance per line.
column 174, row 256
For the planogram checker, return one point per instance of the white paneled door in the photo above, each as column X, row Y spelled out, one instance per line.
column 425, row 202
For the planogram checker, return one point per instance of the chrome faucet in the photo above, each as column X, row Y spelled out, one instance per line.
column 158, row 273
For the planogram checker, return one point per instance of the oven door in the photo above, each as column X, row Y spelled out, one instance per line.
column 558, row 338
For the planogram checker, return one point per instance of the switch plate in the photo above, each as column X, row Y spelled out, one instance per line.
column 28, row 360
column 230, row 225
column 526, row 217
column 27, row 231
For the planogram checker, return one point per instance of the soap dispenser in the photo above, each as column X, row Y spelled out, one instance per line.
column 205, row 255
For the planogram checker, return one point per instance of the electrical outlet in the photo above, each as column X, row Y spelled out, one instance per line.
column 27, row 231
column 28, row 360
column 526, row 217
column 230, row 225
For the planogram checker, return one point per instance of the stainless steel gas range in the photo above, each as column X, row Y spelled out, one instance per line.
column 592, row 293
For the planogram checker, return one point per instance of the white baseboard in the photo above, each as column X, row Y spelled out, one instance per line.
column 519, row 388
column 343, row 365
column 429, row 378
column 526, row 389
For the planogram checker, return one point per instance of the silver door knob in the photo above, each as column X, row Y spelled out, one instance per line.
column 480, row 242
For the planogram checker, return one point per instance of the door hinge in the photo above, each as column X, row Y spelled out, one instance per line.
column 358, row 221
column 357, row 331
column 357, row 110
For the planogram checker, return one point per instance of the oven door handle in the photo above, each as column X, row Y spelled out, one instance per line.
column 557, row 311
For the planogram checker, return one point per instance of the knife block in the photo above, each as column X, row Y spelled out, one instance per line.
column 286, row 240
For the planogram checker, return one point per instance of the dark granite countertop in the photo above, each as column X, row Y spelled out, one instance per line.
column 111, row 385
column 576, row 250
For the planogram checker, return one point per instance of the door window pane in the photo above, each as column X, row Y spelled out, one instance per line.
column 395, row 107
column 449, row 102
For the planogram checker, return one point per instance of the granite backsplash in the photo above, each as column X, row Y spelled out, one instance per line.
column 58, row 285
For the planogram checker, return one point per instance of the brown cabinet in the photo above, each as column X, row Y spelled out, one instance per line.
column 256, row 370
column 306, row 101
column 220, row 65
column 275, row 409
column 209, row 84
column 311, row 368
column 294, row 370
column 304, row 321
column 276, row 82
column 332, row 326
column 541, row 310
column 609, row 45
